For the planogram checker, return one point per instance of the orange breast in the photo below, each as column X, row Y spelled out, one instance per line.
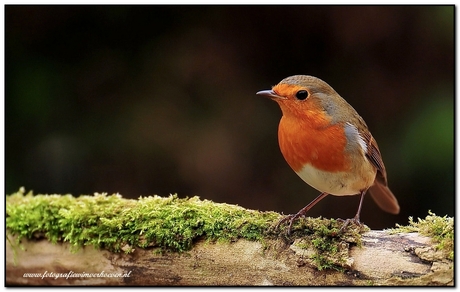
column 303, row 142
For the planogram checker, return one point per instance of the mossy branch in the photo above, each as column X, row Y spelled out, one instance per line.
column 114, row 223
column 143, row 231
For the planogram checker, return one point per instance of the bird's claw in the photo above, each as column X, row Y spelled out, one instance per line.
column 347, row 222
column 291, row 218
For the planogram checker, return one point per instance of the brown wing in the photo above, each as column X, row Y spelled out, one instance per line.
column 379, row 191
column 374, row 156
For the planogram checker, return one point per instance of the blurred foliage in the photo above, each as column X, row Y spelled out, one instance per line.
column 147, row 100
column 432, row 119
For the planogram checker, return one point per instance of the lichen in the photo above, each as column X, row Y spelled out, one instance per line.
column 440, row 229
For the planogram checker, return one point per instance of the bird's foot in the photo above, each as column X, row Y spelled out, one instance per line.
column 289, row 218
column 347, row 222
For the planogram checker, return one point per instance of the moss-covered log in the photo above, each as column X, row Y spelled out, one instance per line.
column 108, row 240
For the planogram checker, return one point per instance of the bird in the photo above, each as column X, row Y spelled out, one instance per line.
column 328, row 145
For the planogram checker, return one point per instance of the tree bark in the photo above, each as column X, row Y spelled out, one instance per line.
column 383, row 259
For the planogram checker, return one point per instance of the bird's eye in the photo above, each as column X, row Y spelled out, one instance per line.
column 301, row 94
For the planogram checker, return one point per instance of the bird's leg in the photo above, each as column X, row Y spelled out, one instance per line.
column 301, row 213
column 356, row 218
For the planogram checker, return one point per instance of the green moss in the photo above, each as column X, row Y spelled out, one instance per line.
column 441, row 229
column 119, row 224
column 328, row 247
column 168, row 224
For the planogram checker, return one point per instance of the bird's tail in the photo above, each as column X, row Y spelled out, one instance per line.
column 384, row 198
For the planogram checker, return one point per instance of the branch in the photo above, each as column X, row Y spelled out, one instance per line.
column 244, row 254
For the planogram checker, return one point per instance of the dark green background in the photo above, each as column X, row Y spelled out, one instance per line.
column 146, row 100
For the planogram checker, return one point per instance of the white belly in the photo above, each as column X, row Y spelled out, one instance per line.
column 339, row 183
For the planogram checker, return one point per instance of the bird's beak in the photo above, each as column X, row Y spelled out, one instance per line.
column 269, row 93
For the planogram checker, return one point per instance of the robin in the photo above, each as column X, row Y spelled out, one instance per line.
column 328, row 144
